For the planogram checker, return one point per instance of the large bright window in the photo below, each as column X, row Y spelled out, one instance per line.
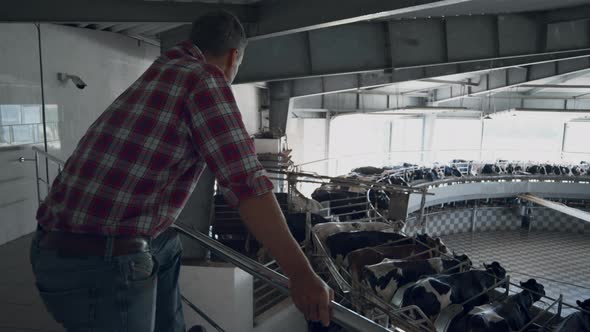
column 23, row 124
column 523, row 137
column 576, row 147
column 456, row 139
column 359, row 140
column 406, row 140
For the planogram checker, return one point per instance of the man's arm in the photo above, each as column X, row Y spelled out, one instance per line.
column 223, row 142
column 265, row 220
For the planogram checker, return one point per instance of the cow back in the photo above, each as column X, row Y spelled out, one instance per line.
column 341, row 244
column 576, row 322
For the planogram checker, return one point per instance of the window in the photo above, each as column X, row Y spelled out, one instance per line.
column 359, row 140
column 406, row 140
column 523, row 137
column 576, row 147
column 23, row 124
column 456, row 139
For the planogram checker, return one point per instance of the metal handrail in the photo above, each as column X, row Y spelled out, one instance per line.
column 49, row 156
column 341, row 315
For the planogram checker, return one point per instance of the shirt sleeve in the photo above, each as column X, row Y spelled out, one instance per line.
column 222, row 140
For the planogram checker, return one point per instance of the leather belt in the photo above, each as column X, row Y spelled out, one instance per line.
column 71, row 244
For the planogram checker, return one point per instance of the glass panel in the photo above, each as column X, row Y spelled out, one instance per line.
column 5, row 135
column 10, row 114
column 23, row 134
column 31, row 114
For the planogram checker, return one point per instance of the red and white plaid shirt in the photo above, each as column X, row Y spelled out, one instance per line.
column 133, row 171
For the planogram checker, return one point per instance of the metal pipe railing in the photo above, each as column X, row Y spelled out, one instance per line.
column 341, row 315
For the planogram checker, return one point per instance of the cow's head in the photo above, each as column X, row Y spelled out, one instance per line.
column 433, row 243
column 496, row 269
column 534, row 287
column 584, row 305
column 463, row 259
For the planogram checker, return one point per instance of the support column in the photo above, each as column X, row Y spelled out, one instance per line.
column 280, row 106
column 427, row 137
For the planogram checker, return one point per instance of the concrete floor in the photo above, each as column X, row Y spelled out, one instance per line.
column 21, row 308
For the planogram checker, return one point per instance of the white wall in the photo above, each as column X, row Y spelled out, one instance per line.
column 108, row 63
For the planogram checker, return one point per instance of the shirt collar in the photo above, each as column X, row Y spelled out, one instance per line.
column 185, row 47
column 193, row 49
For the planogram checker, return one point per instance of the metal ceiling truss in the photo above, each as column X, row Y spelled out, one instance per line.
column 458, row 95
column 136, row 11
column 412, row 44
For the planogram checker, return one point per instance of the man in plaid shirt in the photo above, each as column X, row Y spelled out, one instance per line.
column 104, row 257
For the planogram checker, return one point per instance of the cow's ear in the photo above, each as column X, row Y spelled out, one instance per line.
column 579, row 303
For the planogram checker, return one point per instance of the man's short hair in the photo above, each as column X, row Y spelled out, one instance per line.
column 217, row 32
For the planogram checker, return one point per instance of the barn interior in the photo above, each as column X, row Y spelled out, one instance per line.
column 465, row 121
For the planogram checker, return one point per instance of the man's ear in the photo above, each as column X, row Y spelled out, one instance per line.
column 233, row 57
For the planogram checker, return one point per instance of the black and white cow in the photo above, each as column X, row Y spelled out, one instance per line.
column 509, row 315
column 296, row 224
column 491, row 169
column 379, row 199
column 386, row 277
column 452, row 171
column 368, row 170
column 433, row 294
column 340, row 244
column 323, row 231
column 342, row 201
column 578, row 321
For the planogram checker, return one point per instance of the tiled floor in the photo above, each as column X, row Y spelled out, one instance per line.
column 21, row 308
column 558, row 260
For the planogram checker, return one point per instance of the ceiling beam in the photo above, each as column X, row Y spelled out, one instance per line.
column 135, row 11
column 561, row 79
column 433, row 80
column 283, row 17
column 501, row 80
column 409, row 44
column 491, row 82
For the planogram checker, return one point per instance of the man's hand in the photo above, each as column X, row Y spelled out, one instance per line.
column 265, row 220
column 312, row 297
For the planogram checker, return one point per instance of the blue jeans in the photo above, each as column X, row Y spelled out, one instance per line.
column 137, row 292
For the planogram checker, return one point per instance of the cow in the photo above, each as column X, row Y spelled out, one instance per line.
column 452, row 171
column 433, row 294
column 578, row 321
column 490, row 169
column 299, row 203
column 340, row 244
column 425, row 247
column 342, row 201
column 296, row 223
column 509, row 315
column 386, row 277
column 368, row 170
column 379, row 199
column 326, row 229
